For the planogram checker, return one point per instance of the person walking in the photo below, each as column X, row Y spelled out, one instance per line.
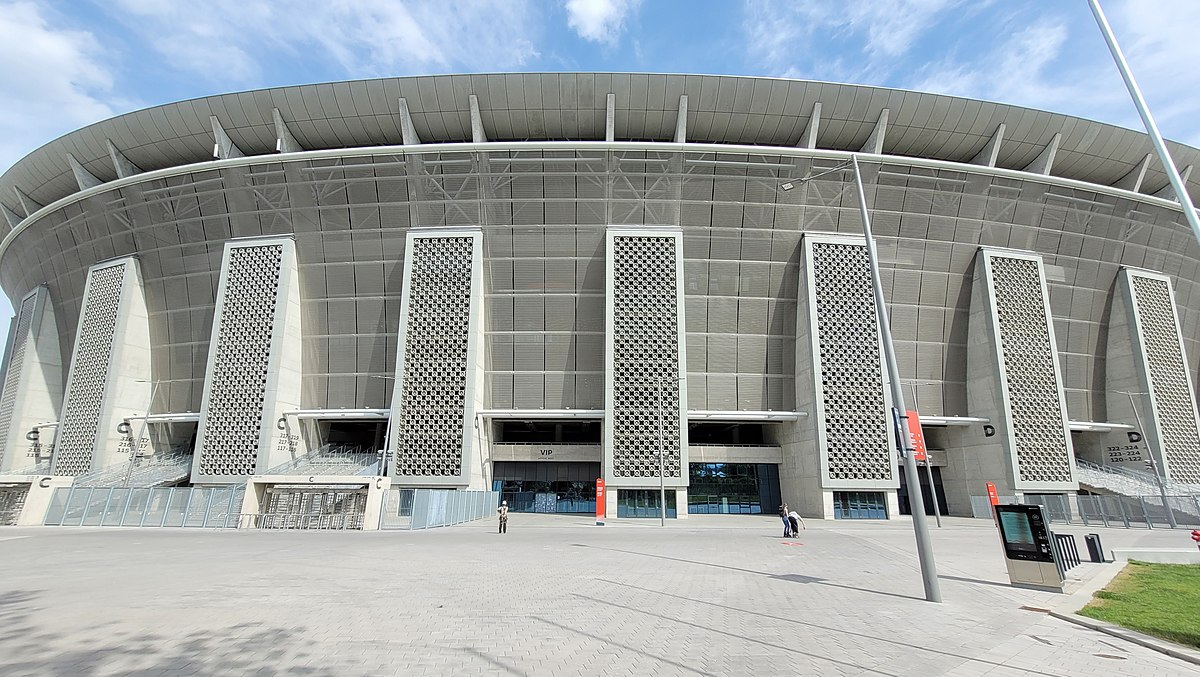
column 797, row 522
column 503, row 511
column 787, row 525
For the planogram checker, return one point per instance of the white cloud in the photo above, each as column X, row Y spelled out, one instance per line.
column 857, row 40
column 234, row 41
column 599, row 20
column 52, row 80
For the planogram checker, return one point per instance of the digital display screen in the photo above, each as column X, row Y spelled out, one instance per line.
column 1018, row 535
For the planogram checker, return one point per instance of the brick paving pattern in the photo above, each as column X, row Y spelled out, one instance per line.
column 555, row 596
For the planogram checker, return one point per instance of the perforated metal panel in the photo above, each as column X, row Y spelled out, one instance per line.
column 1030, row 372
column 16, row 363
column 77, row 432
column 234, row 408
column 1174, row 403
column 855, row 419
column 429, row 425
column 645, row 351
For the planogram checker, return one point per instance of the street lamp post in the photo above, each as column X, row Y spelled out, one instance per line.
column 1154, row 465
column 933, row 591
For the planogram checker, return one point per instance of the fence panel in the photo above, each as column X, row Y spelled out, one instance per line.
column 58, row 506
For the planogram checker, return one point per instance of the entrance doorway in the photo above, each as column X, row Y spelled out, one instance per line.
column 643, row 503
column 906, row 509
column 547, row 486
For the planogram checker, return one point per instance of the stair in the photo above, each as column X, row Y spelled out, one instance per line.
column 332, row 459
column 158, row 470
column 1127, row 482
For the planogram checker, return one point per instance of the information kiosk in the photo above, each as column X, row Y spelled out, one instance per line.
column 1028, row 548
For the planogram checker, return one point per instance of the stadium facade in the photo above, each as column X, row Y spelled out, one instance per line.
column 524, row 282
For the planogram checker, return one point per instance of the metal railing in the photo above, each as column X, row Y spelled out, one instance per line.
column 297, row 521
column 332, row 459
column 211, row 507
column 42, row 467
column 155, row 470
column 1067, row 550
column 1119, row 510
column 430, row 508
column 1128, row 481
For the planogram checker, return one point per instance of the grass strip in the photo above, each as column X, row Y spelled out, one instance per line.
column 1162, row 600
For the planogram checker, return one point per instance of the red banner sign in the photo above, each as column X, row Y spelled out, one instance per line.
column 600, row 501
column 993, row 497
column 916, row 435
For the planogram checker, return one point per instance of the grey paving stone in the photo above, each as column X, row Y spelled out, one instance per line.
column 557, row 595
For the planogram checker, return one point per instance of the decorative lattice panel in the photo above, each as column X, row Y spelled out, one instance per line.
column 856, row 417
column 429, row 432
column 16, row 364
column 1173, row 400
column 1035, row 405
column 645, row 349
column 242, row 349
column 89, row 372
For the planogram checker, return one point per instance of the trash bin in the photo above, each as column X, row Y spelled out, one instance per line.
column 1095, row 550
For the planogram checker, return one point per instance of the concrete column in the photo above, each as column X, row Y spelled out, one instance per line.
column 254, row 364
column 109, row 379
column 439, row 363
column 32, row 392
column 645, row 390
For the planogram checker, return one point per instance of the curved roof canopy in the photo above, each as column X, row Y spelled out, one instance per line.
column 576, row 106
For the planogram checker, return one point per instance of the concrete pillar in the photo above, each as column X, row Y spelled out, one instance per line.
column 645, row 389
column 439, row 363
column 109, row 379
column 32, row 392
column 254, row 364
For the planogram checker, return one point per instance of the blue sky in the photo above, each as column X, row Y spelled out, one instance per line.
column 69, row 63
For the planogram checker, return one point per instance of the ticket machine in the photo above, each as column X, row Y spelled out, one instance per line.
column 1028, row 548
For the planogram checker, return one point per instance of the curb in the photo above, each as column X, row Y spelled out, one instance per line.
column 1081, row 596
column 1159, row 645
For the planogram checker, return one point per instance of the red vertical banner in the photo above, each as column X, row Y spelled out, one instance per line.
column 600, row 501
column 993, row 497
column 916, row 435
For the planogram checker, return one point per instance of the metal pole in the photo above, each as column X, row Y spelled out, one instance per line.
column 662, row 450
column 1160, row 146
column 937, row 511
column 1154, row 465
column 933, row 592
column 133, row 449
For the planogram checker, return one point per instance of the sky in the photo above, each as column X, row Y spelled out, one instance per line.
column 68, row 63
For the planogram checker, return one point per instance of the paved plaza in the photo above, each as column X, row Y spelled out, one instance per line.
column 555, row 596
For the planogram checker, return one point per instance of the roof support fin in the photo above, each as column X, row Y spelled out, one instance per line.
column 874, row 144
column 1133, row 180
column 477, row 133
column 284, row 141
column 83, row 177
column 408, row 131
column 10, row 216
column 1045, row 160
column 28, row 204
column 124, row 167
column 681, row 120
column 1167, row 192
column 988, row 154
column 610, row 118
column 223, row 146
column 808, row 138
